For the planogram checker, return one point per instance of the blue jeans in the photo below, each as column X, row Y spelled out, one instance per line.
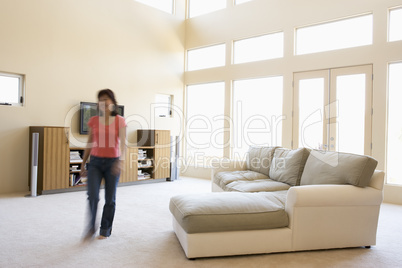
column 99, row 168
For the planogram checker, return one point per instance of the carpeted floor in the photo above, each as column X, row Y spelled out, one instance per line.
column 46, row 231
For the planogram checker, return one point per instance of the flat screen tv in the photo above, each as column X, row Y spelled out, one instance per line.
column 89, row 109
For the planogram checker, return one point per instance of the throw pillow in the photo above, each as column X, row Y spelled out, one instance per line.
column 287, row 165
column 259, row 159
column 338, row 168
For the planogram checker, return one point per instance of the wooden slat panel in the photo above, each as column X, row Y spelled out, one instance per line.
column 132, row 164
column 47, row 164
column 65, row 162
column 124, row 175
column 162, row 154
column 56, row 159
column 129, row 172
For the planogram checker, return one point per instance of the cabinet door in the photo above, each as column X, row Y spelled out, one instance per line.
column 55, row 158
column 162, row 154
column 129, row 172
column 146, row 137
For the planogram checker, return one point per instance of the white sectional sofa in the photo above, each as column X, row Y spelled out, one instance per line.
column 282, row 200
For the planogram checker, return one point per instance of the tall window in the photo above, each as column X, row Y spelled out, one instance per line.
column 346, row 33
column 395, row 22
column 205, row 120
column 257, row 113
column 394, row 167
column 200, row 7
column 164, row 5
column 11, row 89
column 259, row 48
column 207, row 57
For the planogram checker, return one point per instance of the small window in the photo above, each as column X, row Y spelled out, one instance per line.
column 11, row 89
column 163, row 105
column 346, row 33
column 164, row 5
column 207, row 57
column 201, row 7
column 395, row 22
column 238, row 2
column 258, row 48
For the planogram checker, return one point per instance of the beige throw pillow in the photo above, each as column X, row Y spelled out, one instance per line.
column 338, row 168
column 287, row 165
column 259, row 159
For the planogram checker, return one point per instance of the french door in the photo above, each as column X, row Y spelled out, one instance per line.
column 332, row 109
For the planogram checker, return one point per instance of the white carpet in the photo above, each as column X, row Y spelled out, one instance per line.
column 46, row 231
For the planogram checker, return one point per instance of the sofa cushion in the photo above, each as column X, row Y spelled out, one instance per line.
column 223, row 212
column 287, row 165
column 259, row 159
column 338, row 168
column 264, row 185
column 225, row 177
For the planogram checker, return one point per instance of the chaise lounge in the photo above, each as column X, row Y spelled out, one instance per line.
column 282, row 200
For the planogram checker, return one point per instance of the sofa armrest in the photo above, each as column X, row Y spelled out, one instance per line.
column 227, row 165
column 333, row 216
column 377, row 180
column 332, row 196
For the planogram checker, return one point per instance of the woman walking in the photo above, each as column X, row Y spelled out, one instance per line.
column 106, row 150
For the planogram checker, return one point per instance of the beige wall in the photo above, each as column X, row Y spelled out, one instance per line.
column 68, row 50
column 264, row 16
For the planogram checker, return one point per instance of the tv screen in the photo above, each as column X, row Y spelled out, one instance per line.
column 89, row 109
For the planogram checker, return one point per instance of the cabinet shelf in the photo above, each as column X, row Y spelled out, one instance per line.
column 54, row 173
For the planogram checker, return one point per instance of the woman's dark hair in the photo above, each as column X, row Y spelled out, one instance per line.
column 110, row 94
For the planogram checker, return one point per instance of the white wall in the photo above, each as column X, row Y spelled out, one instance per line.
column 70, row 49
column 265, row 16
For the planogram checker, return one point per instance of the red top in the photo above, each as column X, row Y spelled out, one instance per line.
column 105, row 139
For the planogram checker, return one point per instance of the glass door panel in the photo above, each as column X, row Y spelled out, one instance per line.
column 332, row 109
column 311, row 124
column 351, row 91
column 350, row 121
column 309, row 120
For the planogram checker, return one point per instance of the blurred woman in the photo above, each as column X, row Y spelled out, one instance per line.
column 106, row 150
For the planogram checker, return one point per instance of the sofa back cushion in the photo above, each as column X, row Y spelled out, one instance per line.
column 338, row 168
column 259, row 159
column 287, row 165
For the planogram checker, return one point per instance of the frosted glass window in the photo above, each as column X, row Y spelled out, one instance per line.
column 201, row 7
column 351, row 97
column 204, row 121
column 259, row 48
column 11, row 89
column 257, row 114
column 164, row 5
column 395, row 25
column 238, row 2
column 347, row 33
column 207, row 57
column 311, row 123
column 394, row 147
